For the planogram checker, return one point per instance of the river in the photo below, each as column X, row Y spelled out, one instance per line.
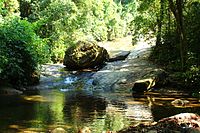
column 101, row 101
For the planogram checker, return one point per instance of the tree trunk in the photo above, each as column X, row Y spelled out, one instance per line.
column 178, row 13
column 168, row 28
column 159, row 22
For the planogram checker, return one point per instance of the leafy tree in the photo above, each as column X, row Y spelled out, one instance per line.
column 21, row 52
column 8, row 9
column 145, row 20
column 64, row 22
column 192, row 25
column 174, row 24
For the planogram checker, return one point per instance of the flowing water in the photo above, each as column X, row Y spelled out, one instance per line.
column 76, row 108
column 101, row 101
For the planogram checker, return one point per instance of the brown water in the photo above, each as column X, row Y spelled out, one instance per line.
column 75, row 109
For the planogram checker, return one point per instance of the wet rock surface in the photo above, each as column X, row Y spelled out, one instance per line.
column 121, row 74
column 118, row 55
column 180, row 123
column 135, row 67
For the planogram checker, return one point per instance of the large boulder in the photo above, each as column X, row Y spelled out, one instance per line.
column 85, row 55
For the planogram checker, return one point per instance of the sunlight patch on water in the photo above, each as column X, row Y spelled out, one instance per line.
column 125, row 65
column 106, row 71
column 35, row 98
column 139, row 112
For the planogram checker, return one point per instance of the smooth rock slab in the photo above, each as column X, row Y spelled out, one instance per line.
column 118, row 55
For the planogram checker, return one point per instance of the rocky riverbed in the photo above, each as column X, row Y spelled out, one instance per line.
column 97, row 100
column 117, row 74
column 123, row 75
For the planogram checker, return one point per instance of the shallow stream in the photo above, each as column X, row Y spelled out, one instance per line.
column 101, row 101
column 75, row 109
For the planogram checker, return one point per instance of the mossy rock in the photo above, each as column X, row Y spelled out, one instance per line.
column 85, row 55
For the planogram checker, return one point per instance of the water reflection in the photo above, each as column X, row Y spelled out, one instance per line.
column 76, row 109
column 52, row 108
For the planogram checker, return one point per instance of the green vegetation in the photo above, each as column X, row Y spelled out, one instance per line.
column 21, row 51
column 41, row 30
column 175, row 26
column 34, row 32
column 64, row 22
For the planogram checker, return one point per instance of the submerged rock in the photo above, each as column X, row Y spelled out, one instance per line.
column 180, row 102
column 85, row 55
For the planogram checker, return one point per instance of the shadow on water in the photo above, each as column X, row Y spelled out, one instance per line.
column 79, row 108
column 167, row 104
column 74, row 100
column 70, row 110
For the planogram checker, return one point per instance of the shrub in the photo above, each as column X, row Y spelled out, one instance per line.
column 21, row 52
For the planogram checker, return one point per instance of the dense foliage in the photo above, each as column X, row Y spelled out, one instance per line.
column 175, row 26
column 34, row 30
column 21, row 51
column 42, row 29
column 64, row 22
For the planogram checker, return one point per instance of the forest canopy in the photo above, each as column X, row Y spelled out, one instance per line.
column 41, row 30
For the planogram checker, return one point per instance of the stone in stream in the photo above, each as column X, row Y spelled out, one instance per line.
column 143, row 85
column 118, row 55
column 84, row 55
column 180, row 102
column 156, row 78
